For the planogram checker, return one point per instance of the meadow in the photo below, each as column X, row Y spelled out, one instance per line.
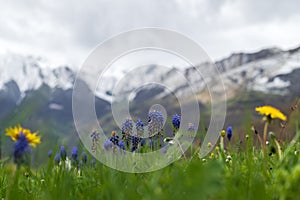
column 256, row 165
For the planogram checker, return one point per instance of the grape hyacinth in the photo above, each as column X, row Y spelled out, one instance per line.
column 122, row 145
column 176, row 122
column 229, row 132
column 108, row 145
column 135, row 143
column 57, row 159
column 50, row 152
column 127, row 128
column 74, row 154
column 84, row 157
column 95, row 140
column 191, row 127
column 63, row 153
column 155, row 123
column 139, row 127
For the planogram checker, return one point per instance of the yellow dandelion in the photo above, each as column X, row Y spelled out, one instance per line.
column 14, row 133
column 270, row 112
column 223, row 133
column 209, row 144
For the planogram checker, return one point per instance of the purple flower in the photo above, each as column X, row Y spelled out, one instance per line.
column 229, row 132
column 155, row 123
column 21, row 148
column 122, row 145
column 127, row 127
column 139, row 127
column 57, row 159
column 63, row 153
column 74, row 154
column 176, row 121
column 108, row 145
column 135, row 143
column 191, row 127
column 84, row 157
column 50, row 152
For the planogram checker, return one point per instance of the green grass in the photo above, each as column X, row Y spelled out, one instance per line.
column 248, row 175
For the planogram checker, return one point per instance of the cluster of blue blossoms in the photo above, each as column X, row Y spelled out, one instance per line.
column 133, row 140
column 76, row 160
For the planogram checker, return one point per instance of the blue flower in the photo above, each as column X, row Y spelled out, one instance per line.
column 57, row 159
column 122, row 145
column 127, row 127
column 164, row 150
column 108, row 145
column 74, row 154
column 176, row 121
column 191, row 127
column 139, row 127
column 50, row 152
column 229, row 132
column 84, row 157
column 21, row 148
column 155, row 123
column 135, row 143
column 63, row 153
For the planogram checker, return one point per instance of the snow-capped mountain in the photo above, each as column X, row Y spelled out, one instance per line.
column 30, row 73
column 269, row 70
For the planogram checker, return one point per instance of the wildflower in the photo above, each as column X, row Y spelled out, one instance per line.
column 15, row 133
column 63, row 153
column 209, row 144
column 84, row 157
column 164, row 150
column 74, row 154
column 57, row 159
column 223, row 133
column 139, row 127
column 20, row 149
column 212, row 155
column 270, row 113
column 50, row 152
column 23, row 139
column 135, row 142
column 108, row 145
column 229, row 157
column 229, row 132
column 95, row 140
column 114, row 138
column 127, row 127
column 191, row 127
column 122, row 145
column 155, row 123
column 176, row 121
column 217, row 148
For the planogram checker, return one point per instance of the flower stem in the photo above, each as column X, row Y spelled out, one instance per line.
column 278, row 149
column 265, row 138
column 222, row 144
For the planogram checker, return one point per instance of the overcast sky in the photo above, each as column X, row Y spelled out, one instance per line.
column 65, row 31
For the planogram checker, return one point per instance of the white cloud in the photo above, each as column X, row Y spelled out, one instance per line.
column 66, row 31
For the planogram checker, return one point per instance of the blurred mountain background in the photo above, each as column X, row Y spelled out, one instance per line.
column 43, row 43
column 40, row 98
